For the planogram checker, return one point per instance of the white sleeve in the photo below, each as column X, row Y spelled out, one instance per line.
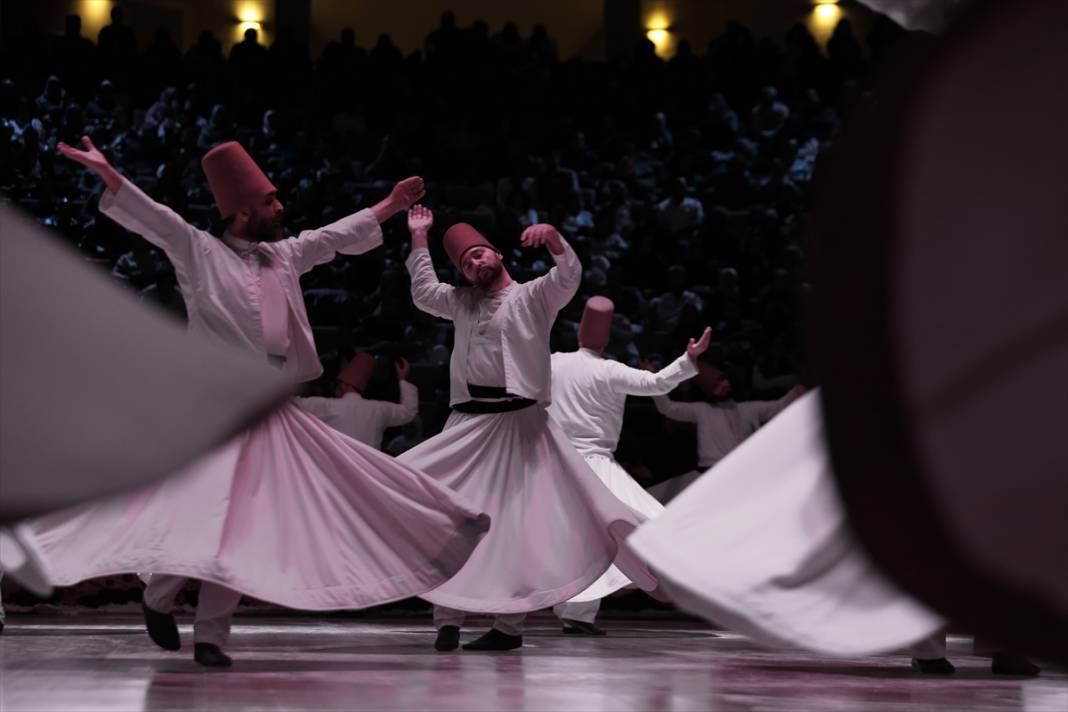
column 428, row 292
column 677, row 410
column 764, row 411
column 555, row 289
column 316, row 405
column 639, row 382
column 352, row 235
column 401, row 413
column 130, row 207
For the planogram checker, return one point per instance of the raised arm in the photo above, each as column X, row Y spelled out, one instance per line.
column 353, row 235
column 403, row 412
column 428, row 292
column 556, row 288
column 766, row 410
column 127, row 205
column 645, row 382
column 677, row 410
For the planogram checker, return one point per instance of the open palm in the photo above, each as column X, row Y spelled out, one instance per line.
column 91, row 157
column 420, row 218
column 696, row 348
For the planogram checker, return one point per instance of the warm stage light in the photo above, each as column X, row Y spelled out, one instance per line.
column 95, row 15
column 250, row 12
column 827, row 13
column 657, row 29
column 821, row 22
column 657, row 21
column 658, row 37
column 250, row 16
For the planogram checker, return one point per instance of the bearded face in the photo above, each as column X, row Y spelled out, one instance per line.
column 265, row 220
column 481, row 266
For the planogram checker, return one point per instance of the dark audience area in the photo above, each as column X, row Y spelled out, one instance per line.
column 684, row 184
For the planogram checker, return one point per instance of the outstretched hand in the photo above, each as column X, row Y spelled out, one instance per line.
column 420, row 219
column 696, row 348
column 91, row 157
column 408, row 192
column 403, row 368
column 94, row 160
column 542, row 234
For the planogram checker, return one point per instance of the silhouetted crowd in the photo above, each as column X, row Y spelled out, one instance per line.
column 683, row 184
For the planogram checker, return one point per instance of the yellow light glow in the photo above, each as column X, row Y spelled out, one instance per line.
column 658, row 37
column 658, row 21
column 821, row 22
column 250, row 12
column 663, row 42
column 258, row 26
column 827, row 13
column 95, row 15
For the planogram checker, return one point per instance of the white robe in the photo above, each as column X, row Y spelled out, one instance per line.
column 720, row 429
column 364, row 419
column 289, row 511
column 589, row 396
column 761, row 545
column 556, row 527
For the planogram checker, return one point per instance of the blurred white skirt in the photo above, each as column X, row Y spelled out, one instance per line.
column 763, row 547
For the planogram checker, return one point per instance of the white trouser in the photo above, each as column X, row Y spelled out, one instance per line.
column 585, row 611
column 215, row 606
column 508, row 623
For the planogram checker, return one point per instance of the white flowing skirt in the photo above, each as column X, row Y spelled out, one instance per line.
column 290, row 511
column 668, row 490
column 761, row 545
column 632, row 494
column 556, row 527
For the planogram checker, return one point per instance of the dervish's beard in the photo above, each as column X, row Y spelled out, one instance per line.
column 266, row 230
column 486, row 276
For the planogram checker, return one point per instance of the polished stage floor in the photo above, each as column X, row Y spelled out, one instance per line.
column 105, row 662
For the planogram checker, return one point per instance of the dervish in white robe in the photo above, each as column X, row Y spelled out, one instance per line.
column 290, row 511
column 361, row 418
column 589, row 394
column 556, row 528
column 721, row 426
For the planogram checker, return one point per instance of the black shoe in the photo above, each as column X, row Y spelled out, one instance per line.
column 1, row 627
column 933, row 666
column 1009, row 664
column 496, row 640
column 162, row 629
column 573, row 627
column 209, row 655
column 448, row 638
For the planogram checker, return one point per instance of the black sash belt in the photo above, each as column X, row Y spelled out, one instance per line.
column 512, row 403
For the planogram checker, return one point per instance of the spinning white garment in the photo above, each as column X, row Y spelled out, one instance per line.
column 630, row 493
column 556, row 528
column 290, row 511
column 762, row 547
column 96, row 389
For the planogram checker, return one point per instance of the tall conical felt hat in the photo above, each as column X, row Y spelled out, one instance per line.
column 358, row 373
column 596, row 326
column 460, row 238
column 235, row 179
